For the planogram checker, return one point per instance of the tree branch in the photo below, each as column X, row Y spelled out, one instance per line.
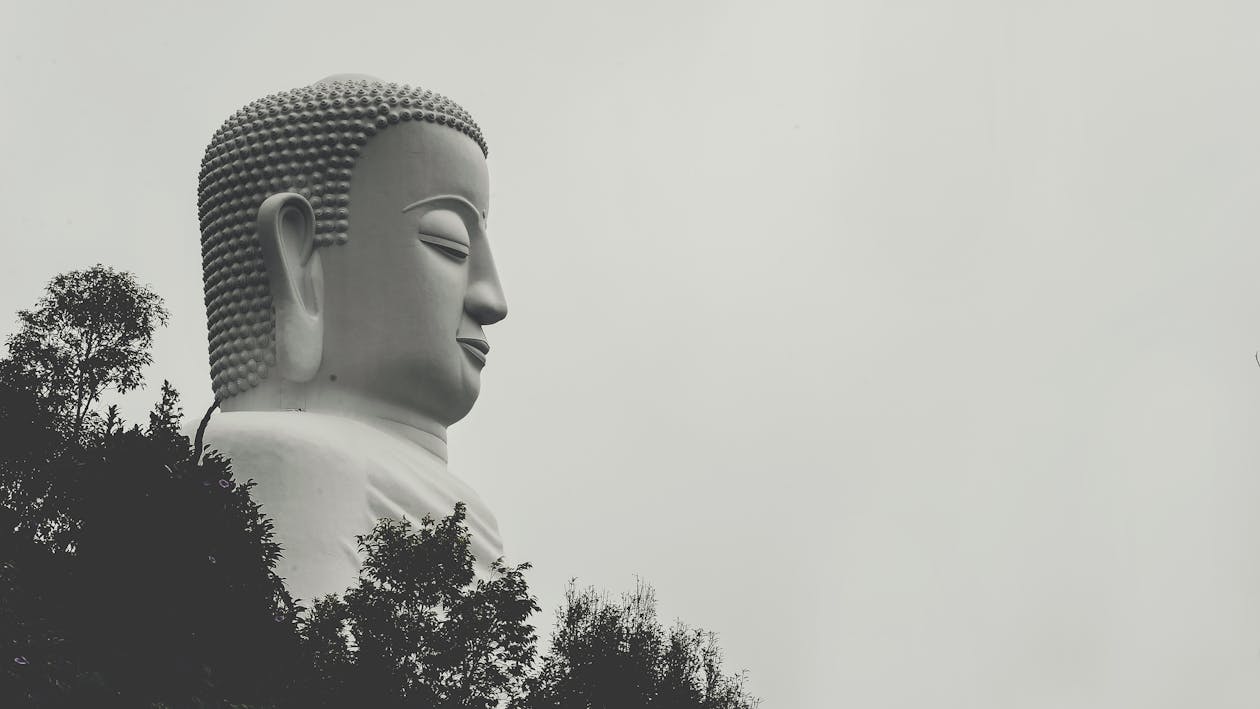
column 199, row 441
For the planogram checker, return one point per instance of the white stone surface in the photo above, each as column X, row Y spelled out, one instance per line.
column 376, row 346
column 325, row 479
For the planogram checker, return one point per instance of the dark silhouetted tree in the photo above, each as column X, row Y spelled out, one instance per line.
column 616, row 655
column 91, row 331
column 165, row 593
column 137, row 572
column 166, row 414
column 34, row 454
column 131, row 572
column 419, row 629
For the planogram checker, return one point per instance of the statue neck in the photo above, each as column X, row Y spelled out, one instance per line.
column 333, row 400
column 431, row 442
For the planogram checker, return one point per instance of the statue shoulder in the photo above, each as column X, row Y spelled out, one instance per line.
column 292, row 439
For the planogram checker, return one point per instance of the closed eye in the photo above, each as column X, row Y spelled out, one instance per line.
column 452, row 248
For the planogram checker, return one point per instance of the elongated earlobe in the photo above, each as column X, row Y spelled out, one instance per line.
column 286, row 230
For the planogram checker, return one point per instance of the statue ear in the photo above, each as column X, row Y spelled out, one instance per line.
column 286, row 228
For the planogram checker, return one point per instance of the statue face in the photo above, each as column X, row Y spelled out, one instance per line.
column 406, row 299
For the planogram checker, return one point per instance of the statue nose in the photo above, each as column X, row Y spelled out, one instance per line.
column 484, row 301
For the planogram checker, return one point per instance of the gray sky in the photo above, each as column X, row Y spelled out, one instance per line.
column 908, row 346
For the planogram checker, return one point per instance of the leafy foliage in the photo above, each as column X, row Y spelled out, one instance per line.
column 419, row 630
column 132, row 573
column 91, row 331
column 159, row 591
column 617, row 655
column 162, row 593
column 34, row 455
column 137, row 572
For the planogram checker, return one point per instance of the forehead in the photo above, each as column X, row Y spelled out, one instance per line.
column 409, row 162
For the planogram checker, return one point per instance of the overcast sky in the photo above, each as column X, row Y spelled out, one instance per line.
column 907, row 345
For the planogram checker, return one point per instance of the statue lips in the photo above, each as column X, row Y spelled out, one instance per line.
column 475, row 346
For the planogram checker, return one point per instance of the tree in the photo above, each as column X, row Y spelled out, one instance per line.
column 163, row 592
column 137, row 572
column 419, row 629
column 33, row 456
column 132, row 572
column 91, row 331
column 166, row 415
column 616, row 655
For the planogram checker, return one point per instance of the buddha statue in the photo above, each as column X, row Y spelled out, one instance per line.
column 348, row 282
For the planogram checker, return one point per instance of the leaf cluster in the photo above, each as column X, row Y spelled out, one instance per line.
column 419, row 629
column 92, row 330
column 155, row 585
column 617, row 655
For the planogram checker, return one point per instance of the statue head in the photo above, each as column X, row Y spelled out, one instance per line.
column 345, row 256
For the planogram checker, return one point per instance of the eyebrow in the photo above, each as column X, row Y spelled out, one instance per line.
column 481, row 215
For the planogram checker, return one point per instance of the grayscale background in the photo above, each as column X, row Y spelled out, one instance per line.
column 908, row 345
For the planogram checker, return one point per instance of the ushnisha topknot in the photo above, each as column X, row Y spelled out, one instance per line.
column 306, row 141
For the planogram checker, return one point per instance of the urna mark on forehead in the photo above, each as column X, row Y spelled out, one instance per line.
column 305, row 141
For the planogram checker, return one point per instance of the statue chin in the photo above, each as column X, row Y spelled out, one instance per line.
column 349, row 282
